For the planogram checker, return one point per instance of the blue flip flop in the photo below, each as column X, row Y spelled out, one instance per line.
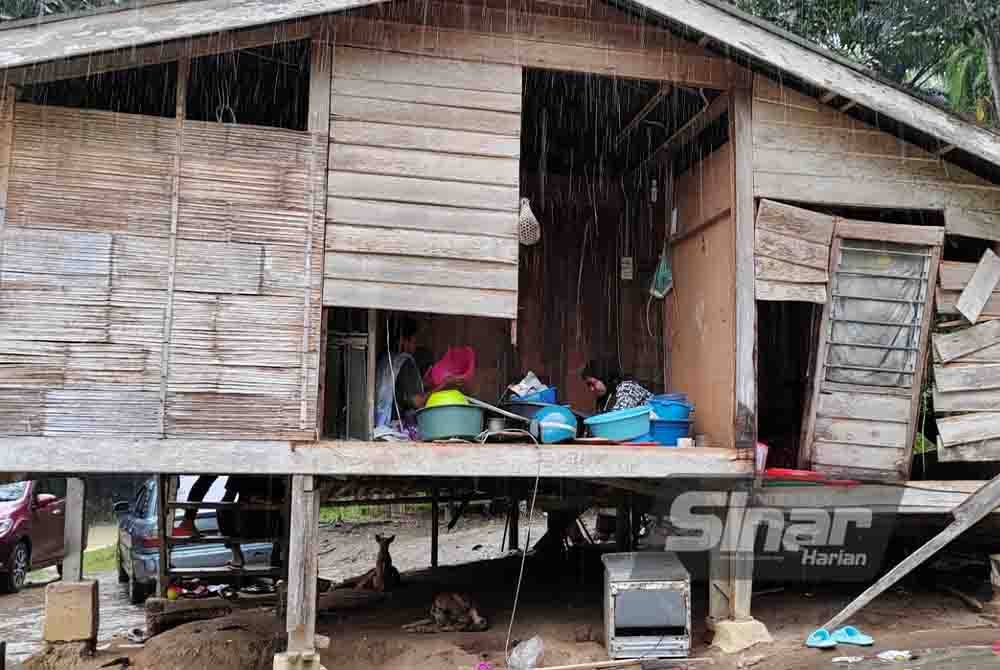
column 851, row 635
column 820, row 639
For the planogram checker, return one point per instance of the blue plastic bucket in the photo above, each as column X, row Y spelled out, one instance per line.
column 621, row 425
column 671, row 410
column 668, row 432
column 547, row 396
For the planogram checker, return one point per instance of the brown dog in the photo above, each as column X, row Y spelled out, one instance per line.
column 383, row 577
column 450, row 612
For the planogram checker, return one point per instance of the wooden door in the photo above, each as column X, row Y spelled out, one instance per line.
column 871, row 351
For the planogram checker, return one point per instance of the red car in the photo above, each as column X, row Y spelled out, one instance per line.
column 32, row 525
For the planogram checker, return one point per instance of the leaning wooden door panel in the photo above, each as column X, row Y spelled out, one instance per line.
column 872, row 350
column 423, row 184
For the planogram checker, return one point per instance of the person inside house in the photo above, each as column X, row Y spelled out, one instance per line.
column 612, row 388
column 237, row 523
column 399, row 389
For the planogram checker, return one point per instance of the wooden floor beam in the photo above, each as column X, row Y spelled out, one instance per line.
column 410, row 459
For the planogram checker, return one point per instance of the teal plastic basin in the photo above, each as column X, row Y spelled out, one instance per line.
column 621, row 425
column 447, row 421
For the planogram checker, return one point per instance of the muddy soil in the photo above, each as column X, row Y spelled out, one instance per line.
column 560, row 602
column 347, row 550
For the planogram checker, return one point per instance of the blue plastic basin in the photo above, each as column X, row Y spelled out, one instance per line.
column 671, row 410
column 621, row 425
column 668, row 432
column 547, row 396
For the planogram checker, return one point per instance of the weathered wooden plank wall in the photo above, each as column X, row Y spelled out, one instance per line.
column 423, row 184
column 589, row 37
column 702, row 336
column 87, row 255
column 806, row 151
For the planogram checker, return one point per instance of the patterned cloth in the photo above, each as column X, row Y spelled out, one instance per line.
column 629, row 394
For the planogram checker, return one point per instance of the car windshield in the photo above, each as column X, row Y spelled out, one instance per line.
column 12, row 492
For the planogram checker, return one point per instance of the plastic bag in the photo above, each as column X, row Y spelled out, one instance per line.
column 457, row 366
column 526, row 655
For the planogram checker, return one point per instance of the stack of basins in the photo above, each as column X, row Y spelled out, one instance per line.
column 672, row 418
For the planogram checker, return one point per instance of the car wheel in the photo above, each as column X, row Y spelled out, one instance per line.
column 122, row 575
column 20, row 563
column 137, row 592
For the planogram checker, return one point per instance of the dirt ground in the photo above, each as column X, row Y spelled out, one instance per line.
column 559, row 602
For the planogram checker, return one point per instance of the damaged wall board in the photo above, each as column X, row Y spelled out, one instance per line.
column 980, row 287
column 954, row 278
column 951, row 346
column 806, row 151
column 792, row 253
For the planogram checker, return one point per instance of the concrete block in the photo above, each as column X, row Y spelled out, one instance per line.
column 292, row 660
column 734, row 636
column 71, row 612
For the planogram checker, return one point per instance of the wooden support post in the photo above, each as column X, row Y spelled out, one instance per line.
column 180, row 113
column 514, row 537
column 720, row 594
column 165, row 527
column 302, row 565
column 75, row 534
column 435, row 525
column 372, row 359
column 623, row 532
column 741, row 575
column 741, row 140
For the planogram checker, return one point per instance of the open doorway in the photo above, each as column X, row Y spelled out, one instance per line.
column 597, row 178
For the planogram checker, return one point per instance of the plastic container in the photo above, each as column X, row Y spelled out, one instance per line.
column 671, row 410
column 447, row 421
column 547, row 396
column 440, row 398
column 621, row 425
column 668, row 432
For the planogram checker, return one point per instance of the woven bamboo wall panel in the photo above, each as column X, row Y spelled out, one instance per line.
column 89, row 268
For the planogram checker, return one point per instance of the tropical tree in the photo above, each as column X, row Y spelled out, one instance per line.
column 909, row 41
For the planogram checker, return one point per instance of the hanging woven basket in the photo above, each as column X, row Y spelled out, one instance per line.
column 529, row 231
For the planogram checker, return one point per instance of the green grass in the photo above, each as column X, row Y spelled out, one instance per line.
column 95, row 561
column 99, row 560
column 365, row 513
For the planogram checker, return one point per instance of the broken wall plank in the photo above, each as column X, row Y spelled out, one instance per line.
column 969, row 428
column 980, row 288
column 783, row 247
column 772, row 290
column 947, row 304
column 967, row 378
column 771, row 269
column 987, row 450
column 954, row 345
column 966, row 401
column 795, row 222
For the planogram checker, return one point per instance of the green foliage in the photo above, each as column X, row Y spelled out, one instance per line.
column 967, row 80
column 919, row 43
